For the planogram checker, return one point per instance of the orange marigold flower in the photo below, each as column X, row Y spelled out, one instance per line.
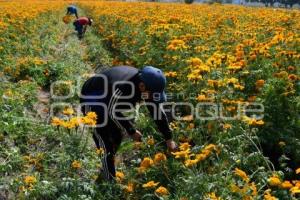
column 150, row 184
column 92, row 115
column 162, row 191
column 76, row 164
column 227, row 126
column 147, row 162
column 171, row 74
column 286, row 185
column 241, row 174
column 201, row 97
column 129, row 188
column 293, row 77
column 195, row 61
column 56, row 121
column 274, row 181
column 184, row 146
column 268, row 195
column 159, row 157
column 260, row 83
column 119, row 176
column 29, row 180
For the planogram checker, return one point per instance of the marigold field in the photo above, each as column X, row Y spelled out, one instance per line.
column 223, row 54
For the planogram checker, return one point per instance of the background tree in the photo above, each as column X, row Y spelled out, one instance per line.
column 188, row 1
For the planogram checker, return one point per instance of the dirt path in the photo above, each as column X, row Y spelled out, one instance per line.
column 70, row 53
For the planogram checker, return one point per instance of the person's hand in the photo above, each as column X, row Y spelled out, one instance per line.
column 137, row 136
column 172, row 146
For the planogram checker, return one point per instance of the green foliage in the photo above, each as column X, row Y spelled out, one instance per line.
column 188, row 1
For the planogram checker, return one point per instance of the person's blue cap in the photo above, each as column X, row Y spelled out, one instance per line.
column 155, row 81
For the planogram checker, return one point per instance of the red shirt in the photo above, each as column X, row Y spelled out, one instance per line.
column 83, row 20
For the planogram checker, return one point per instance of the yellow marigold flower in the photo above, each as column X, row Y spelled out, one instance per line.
column 22, row 188
column 268, row 195
column 194, row 76
column 88, row 121
column 119, row 176
column 201, row 97
column 202, row 69
column 38, row 61
column 171, row 74
column 162, row 191
column 68, row 111
column 253, row 187
column 150, row 184
column 150, row 141
column 298, row 171
column 227, row 126
column 286, row 185
column 234, row 188
column 100, row 151
column 75, row 121
column 159, row 157
column 184, row 146
column 76, row 164
column 210, row 147
column 238, row 86
column 92, row 115
column 231, row 80
column 213, row 83
column 181, row 154
column 68, row 125
column 252, row 121
column 241, row 174
column 191, row 162
column 176, row 45
column 201, row 156
column 56, row 121
column 259, row 122
column 274, row 181
column 147, row 162
column 213, row 196
column 295, row 190
column 29, row 180
column 195, row 61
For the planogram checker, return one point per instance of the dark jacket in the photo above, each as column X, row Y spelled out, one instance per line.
column 115, row 94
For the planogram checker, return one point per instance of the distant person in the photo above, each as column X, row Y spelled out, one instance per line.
column 72, row 10
column 81, row 25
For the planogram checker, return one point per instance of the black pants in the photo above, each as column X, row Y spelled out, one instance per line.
column 109, row 139
column 78, row 28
